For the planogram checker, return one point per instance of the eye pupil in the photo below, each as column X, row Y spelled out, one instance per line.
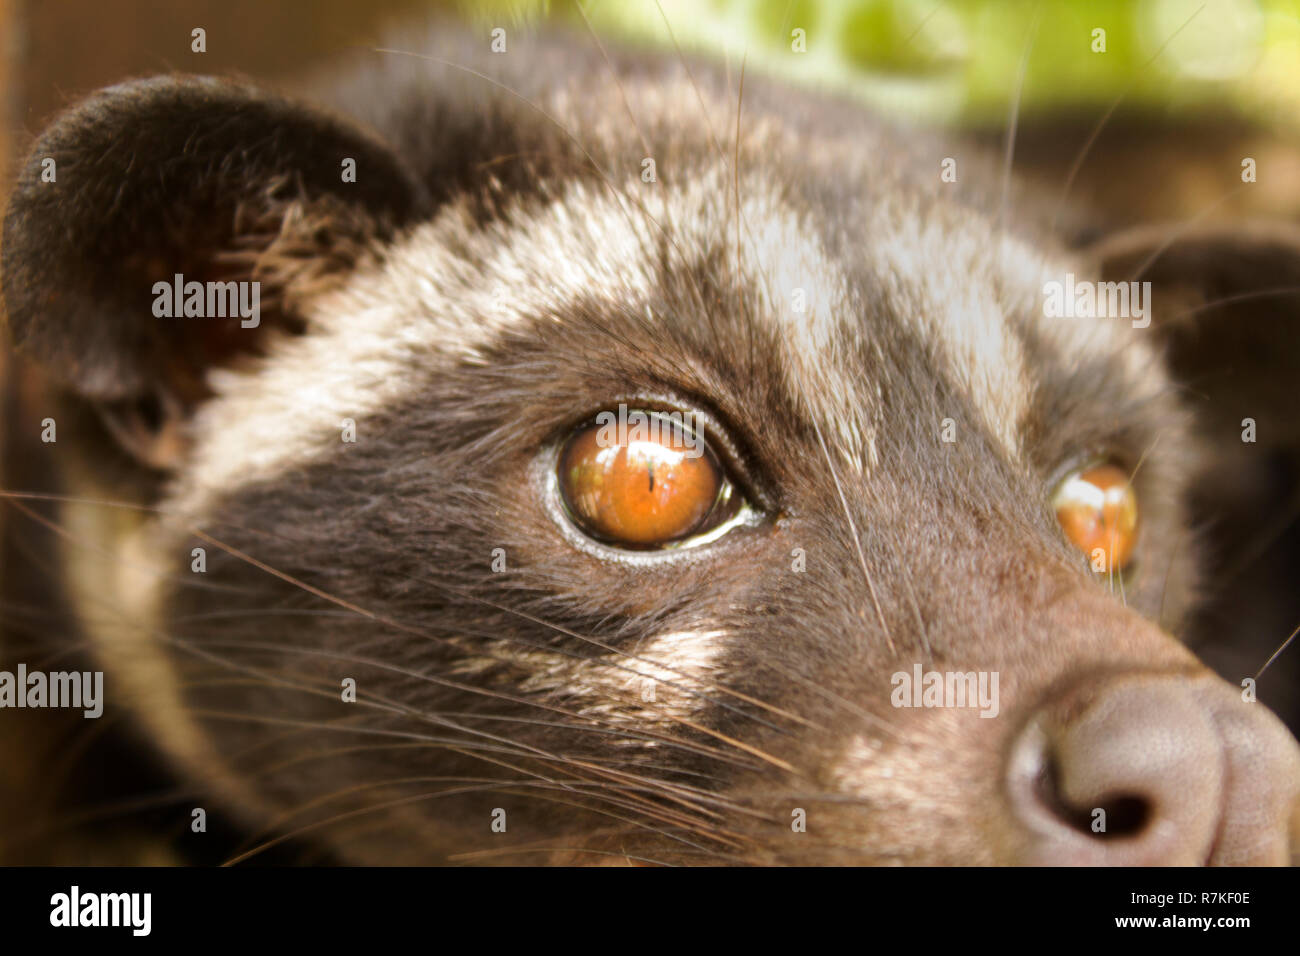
column 1097, row 509
column 640, row 492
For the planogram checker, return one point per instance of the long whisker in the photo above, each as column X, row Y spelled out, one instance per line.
column 735, row 178
column 1077, row 165
column 857, row 541
column 1277, row 653
column 235, row 552
column 1238, row 297
column 1254, row 549
column 576, row 786
column 1181, row 229
column 1013, row 121
column 388, row 805
column 13, row 500
column 1169, row 567
column 828, row 694
column 717, row 147
column 397, row 625
column 613, row 650
column 645, row 144
column 618, row 194
column 590, row 724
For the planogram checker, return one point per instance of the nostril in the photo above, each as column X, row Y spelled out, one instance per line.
column 1111, row 816
column 1146, row 769
column 1126, row 816
column 1118, row 772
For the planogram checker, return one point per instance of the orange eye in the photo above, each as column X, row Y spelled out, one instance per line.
column 1098, row 510
column 646, row 482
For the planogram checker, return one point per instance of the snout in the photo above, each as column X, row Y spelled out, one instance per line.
column 1154, row 769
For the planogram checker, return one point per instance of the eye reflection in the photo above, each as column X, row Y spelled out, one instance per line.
column 641, row 493
column 1098, row 511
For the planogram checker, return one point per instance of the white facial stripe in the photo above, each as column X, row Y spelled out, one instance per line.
column 658, row 681
column 678, row 656
column 805, row 296
column 939, row 273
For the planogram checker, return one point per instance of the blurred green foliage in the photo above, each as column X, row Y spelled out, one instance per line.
column 949, row 59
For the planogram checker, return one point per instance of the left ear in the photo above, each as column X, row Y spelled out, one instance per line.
column 236, row 190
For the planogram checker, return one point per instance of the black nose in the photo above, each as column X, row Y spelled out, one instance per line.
column 1155, row 770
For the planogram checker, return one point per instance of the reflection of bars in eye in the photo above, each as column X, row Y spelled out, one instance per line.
column 1098, row 511
column 675, row 430
column 643, row 494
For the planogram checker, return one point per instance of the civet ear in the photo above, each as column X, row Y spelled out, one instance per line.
column 207, row 179
column 1225, row 300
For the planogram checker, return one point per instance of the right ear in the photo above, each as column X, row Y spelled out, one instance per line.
column 1228, row 312
column 209, row 179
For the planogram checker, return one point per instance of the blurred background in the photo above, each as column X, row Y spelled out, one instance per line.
column 1144, row 107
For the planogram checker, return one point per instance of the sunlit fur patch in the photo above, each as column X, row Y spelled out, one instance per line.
column 941, row 273
column 913, row 788
column 804, row 295
column 654, row 684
